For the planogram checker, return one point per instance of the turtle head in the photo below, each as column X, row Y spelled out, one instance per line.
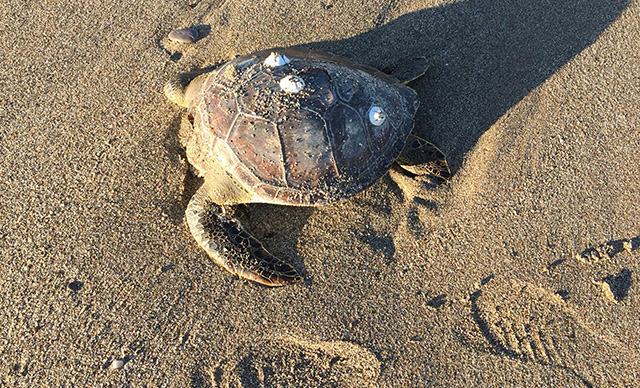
column 182, row 88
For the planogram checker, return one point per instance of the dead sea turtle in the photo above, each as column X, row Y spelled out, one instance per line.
column 295, row 127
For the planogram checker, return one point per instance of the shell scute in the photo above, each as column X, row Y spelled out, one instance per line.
column 320, row 94
column 216, row 112
column 256, row 143
column 306, row 148
column 350, row 140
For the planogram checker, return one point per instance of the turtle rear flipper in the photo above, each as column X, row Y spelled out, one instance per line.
column 411, row 69
column 229, row 245
column 421, row 157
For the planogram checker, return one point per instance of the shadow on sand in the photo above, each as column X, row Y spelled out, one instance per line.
column 487, row 55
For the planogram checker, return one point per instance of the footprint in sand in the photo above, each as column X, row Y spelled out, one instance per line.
column 608, row 250
column 529, row 323
column 615, row 287
column 292, row 362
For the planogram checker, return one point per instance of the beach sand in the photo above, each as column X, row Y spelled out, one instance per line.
column 521, row 271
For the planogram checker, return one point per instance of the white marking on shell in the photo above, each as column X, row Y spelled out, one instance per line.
column 377, row 116
column 291, row 84
column 275, row 60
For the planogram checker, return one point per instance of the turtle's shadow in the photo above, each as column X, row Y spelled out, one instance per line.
column 486, row 56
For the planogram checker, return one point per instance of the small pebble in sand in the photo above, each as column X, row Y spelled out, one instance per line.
column 627, row 245
column 184, row 35
column 116, row 364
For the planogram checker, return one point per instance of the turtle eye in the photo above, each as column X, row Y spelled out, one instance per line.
column 377, row 116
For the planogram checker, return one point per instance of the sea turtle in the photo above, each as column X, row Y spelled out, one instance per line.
column 290, row 126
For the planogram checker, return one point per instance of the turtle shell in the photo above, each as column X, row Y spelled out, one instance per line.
column 306, row 148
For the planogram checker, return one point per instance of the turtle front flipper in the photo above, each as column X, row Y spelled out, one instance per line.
column 421, row 157
column 228, row 244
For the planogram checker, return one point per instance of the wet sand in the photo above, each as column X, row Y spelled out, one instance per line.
column 521, row 271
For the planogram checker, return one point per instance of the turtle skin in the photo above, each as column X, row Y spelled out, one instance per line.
column 307, row 148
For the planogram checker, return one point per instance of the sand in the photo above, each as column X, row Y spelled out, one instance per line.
column 522, row 271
